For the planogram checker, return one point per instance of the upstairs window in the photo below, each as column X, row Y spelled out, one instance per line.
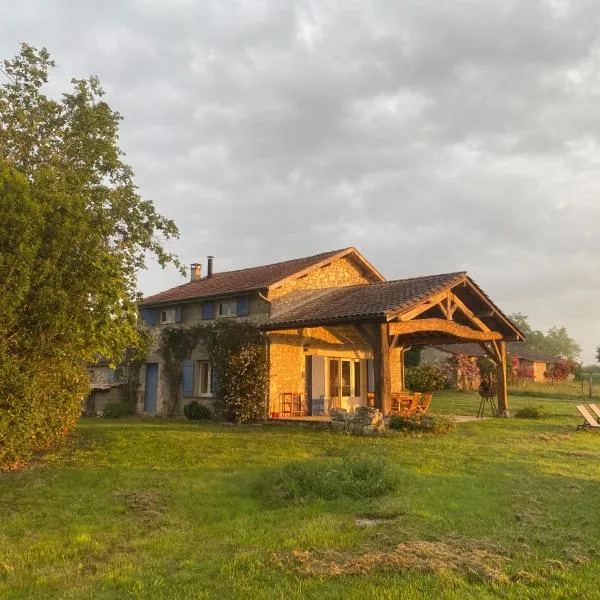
column 167, row 316
column 227, row 308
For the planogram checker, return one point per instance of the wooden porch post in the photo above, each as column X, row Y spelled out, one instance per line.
column 402, row 382
column 501, row 377
column 381, row 368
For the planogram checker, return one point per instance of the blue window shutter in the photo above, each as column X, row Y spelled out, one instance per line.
column 148, row 316
column 243, row 307
column 178, row 311
column 188, row 378
column 370, row 376
column 208, row 310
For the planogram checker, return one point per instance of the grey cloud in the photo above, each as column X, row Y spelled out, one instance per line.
column 434, row 136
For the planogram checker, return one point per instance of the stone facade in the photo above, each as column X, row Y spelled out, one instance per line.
column 287, row 350
column 340, row 273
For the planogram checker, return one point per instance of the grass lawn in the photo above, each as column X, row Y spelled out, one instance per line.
column 502, row 508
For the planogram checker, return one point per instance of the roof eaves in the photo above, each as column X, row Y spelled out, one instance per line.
column 201, row 298
column 496, row 309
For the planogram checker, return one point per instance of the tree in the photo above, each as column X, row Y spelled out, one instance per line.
column 555, row 341
column 598, row 354
column 74, row 233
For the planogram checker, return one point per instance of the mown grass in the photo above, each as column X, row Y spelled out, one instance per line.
column 154, row 509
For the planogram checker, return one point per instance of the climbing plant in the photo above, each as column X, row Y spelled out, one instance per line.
column 239, row 356
column 176, row 344
column 239, row 359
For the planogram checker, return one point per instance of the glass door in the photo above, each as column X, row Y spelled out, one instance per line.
column 344, row 383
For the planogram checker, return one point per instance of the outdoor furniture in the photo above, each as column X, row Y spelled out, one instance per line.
column 405, row 403
column 488, row 396
column 291, row 405
column 588, row 420
column 594, row 408
column 424, row 402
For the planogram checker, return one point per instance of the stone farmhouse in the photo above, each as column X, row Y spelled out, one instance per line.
column 335, row 329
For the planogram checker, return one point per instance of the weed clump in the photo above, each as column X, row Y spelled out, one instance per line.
column 357, row 477
column 531, row 412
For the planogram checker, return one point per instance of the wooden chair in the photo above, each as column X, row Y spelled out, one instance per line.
column 424, row 402
column 588, row 420
column 404, row 403
column 594, row 408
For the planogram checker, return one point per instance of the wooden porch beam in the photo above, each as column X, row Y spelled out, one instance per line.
column 421, row 308
column 365, row 334
column 381, row 368
column 502, row 381
column 492, row 352
column 442, row 326
column 458, row 303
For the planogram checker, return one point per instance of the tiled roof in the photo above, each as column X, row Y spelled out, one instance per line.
column 242, row 280
column 366, row 301
column 515, row 348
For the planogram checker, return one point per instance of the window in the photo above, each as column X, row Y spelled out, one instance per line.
column 204, row 378
column 167, row 316
column 227, row 308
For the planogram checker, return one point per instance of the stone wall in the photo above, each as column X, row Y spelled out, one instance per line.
column 288, row 350
column 340, row 273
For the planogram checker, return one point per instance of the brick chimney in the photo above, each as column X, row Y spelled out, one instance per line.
column 210, row 266
column 195, row 271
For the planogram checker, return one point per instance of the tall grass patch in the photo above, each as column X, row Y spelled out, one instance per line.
column 303, row 482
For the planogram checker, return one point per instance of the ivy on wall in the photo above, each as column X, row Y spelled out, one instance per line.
column 239, row 358
column 176, row 344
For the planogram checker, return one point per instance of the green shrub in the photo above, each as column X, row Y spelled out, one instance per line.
column 39, row 405
column 239, row 357
column 196, row 411
column 531, row 412
column 422, row 423
column 357, row 477
column 116, row 410
column 426, row 378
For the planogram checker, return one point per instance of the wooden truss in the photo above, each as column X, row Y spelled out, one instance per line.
column 408, row 328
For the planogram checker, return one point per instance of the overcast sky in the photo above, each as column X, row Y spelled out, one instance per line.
column 434, row 136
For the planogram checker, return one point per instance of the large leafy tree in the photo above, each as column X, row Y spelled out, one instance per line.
column 555, row 341
column 74, row 233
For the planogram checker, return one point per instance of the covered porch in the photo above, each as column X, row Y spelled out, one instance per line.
column 377, row 323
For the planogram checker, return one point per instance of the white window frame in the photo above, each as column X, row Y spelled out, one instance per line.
column 208, row 365
column 167, row 316
column 355, row 365
column 227, row 308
